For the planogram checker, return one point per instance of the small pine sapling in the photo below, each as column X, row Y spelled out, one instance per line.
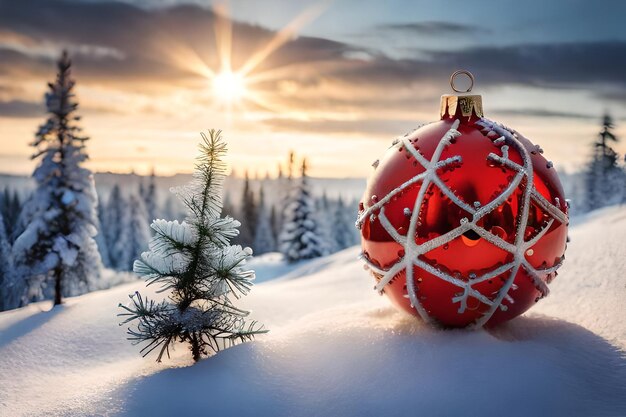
column 194, row 261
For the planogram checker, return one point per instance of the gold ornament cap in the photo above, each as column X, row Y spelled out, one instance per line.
column 461, row 105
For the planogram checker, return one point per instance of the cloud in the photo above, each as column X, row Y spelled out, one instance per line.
column 20, row 108
column 618, row 95
column 17, row 64
column 36, row 109
column 553, row 65
column 151, row 51
column 117, row 41
column 433, row 28
column 544, row 113
column 560, row 65
column 371, row 127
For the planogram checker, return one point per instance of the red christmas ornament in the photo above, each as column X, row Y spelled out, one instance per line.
column 463, row 221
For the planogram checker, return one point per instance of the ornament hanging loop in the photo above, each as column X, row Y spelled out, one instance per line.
column 463, row 104
column 461, row 72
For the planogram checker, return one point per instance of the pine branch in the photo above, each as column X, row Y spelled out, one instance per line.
column 229, row 271
column 194, row 261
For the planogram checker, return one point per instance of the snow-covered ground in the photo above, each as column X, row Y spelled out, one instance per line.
column 338, row 349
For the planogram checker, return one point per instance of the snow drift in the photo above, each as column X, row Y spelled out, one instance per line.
column 336, row 348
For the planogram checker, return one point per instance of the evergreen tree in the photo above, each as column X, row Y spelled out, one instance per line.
column 279, row 175
column 290, row 161
column 195, row 261
column 324, row 215
column 300, row 237
column 16, row 206
column 285, row 185
column 623, row 199
column 114, row 213
column 604, row 177
column 56, row 255
column 150, row 197
column 248, row 214
column 11, row 208
column 142, row 189
column 4, row 208
column 172, row 209
column 593, row 182
column 275, row 223
column 228, row 209
column 6, row 268
column 134, row 234
column 17, row 217
column 103, row 247
column 264, row 241
column 343, row 231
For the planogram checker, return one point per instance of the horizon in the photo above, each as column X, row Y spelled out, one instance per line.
column 305, row 76
column 231, row 174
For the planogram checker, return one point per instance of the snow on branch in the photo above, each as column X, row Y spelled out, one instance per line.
column 56, row 254
column 195, row 264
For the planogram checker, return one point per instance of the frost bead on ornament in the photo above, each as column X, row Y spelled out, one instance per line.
column 462, row 222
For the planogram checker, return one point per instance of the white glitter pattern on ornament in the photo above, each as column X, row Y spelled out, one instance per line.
column 503, row 137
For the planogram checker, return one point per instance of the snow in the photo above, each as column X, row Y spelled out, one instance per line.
column 337, row 348
column 270, row 265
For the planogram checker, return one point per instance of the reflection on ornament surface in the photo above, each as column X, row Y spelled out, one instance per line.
column 463, row 222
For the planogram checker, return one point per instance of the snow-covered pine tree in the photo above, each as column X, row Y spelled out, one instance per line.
column 6, row 267
column 196, row 263
column 103, row 246
column 623, row 198
column 173, row 208
column 275, row 223
column 283, row 194
column 5, row 207
column 325, row 216
column 603, row 177
column 248, row 214
column 134, row 235
column 300, row 237
column 343, row 231
column 227, row 206
column 113, row 216
column 56, row 255
column 593, row 182
column 149, row 196
column 11, row 209
column 264, row 241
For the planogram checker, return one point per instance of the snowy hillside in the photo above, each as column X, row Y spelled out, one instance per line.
column 338, row 349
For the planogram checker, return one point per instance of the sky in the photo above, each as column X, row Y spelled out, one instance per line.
column 335, row 81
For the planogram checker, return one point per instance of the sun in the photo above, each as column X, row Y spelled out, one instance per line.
column 232, row 88
column 229, row 86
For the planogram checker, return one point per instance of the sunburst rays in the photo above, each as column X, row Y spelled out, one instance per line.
column 234, row 88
